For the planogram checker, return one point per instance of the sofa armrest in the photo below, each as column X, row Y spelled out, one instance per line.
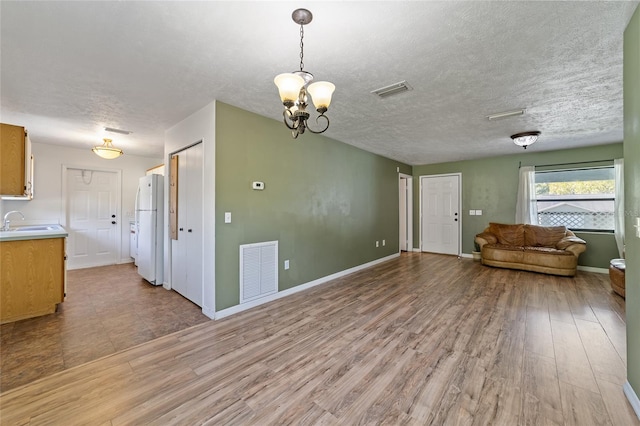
column 573, row 244
column 486, row 238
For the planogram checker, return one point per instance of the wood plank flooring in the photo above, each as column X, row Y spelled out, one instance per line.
column 107, row 309
column 422, row 339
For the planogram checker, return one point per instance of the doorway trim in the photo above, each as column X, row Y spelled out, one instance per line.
column 409, row 212
column 65, row 194
column 459, row 176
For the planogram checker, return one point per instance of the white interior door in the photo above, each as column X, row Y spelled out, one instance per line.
column 405, row 208
column 186, row 251
column 194, row 225
column 440, row 212
column 92, row 218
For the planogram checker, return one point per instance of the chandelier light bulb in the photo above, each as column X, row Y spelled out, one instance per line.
column 289, row 86
column 321, row 92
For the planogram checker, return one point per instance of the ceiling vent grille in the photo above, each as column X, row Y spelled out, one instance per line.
column 392, row 89
column 112, row 130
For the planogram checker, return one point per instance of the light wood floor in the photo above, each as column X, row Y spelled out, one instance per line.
column 423, row 339
column 107, row 309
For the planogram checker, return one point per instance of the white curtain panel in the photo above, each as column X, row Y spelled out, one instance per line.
column 618, row 166
column 526, row 208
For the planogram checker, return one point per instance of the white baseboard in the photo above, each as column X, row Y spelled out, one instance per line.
column 125, row 260
column 252, row 304
column 592, row 269
column 632, row 397
column 466, row 255
column 211, row 313
column 417, row 250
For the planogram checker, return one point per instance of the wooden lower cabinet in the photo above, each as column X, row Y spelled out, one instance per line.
column 32, row 277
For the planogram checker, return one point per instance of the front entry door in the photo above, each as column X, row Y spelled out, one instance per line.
column 440, row 211
column 92, row 218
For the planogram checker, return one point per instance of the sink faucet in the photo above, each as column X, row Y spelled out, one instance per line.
column 7, row 221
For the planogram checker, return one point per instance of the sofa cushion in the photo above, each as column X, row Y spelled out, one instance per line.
column 502, row 253
column 507, row 234
column 543, row 236
column 549, row 257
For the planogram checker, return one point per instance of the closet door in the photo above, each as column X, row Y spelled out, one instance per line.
column 194, row 225
column 186, row 250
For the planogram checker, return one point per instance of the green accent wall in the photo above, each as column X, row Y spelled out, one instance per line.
column 325, row 202
column 491, row 185
column 632, row 195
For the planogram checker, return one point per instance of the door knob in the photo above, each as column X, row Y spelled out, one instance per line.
column 182, row 229
column 113, row 222
column 113, row 215
column 190, row 230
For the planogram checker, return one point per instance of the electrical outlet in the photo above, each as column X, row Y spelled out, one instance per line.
column 286, row 264
column 384, row 243
column 377, row 243
column 227, row 217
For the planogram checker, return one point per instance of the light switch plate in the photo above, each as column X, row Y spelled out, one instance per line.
column 227, row 217
column 286, row 264
column 472, row 212
column 637, row 225
column 478, row 212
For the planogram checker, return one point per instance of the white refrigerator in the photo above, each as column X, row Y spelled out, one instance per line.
column 150, row 228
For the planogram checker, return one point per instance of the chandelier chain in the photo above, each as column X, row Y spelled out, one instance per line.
column 301, row 47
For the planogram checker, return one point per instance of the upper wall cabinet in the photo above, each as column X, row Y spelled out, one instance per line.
column 16, row 163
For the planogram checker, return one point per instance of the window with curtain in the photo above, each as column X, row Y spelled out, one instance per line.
column 580, row 199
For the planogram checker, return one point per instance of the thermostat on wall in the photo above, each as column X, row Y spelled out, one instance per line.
column 258, row 185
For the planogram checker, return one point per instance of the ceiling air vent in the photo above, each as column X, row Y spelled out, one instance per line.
column 112, row 130
column 392, row 89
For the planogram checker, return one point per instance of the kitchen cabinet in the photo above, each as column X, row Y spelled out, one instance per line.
column 16, row 163
column 33, row 277
column 186, row 249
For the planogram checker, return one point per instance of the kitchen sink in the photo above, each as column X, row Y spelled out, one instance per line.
column 36, row 228
column 33, row 232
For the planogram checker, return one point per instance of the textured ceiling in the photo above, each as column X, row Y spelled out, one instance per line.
column 68, row 69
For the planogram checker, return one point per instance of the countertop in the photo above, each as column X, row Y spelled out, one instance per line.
column 34, row 232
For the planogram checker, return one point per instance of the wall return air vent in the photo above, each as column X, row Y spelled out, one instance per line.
column 392, row 89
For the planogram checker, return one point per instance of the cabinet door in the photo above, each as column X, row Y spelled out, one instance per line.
column 194, row 224
column 32, row 276
column 12, row 160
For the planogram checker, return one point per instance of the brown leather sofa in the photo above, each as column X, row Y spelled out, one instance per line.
column 547, row 249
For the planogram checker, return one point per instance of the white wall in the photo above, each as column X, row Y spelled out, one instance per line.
column 47, row 205
column 199, row 126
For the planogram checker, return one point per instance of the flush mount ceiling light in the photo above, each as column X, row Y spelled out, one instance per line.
column 525, row 139
column 107, row 150
column 293, row 88
column 506, row 114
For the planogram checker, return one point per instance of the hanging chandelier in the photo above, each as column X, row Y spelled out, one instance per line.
column 107, row 150
column 295, row 86
column 525, row 139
